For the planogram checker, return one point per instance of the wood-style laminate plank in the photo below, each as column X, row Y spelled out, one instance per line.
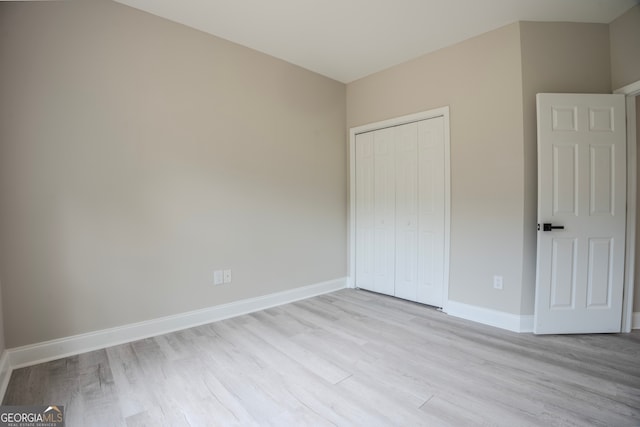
column 347, row 358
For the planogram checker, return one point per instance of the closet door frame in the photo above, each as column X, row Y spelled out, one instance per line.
column 425, row 115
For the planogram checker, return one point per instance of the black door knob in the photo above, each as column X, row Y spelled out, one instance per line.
column 548, row 227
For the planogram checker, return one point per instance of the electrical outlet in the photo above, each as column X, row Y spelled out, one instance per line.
column 497, row 282
column 227, row 276
column 218, row 277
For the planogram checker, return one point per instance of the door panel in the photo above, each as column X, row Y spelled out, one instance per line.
column 602, row 191
column 563, row 273
column 375, row 212
column 581, row 186
column 431, row 200
column 599, row 286
column 406, row 137
column 384, row 211
column 565, row 185
column 365, row 225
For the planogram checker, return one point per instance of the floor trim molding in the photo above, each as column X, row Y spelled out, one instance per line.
column 55, row 349
column 635, row 323
column 499, row 319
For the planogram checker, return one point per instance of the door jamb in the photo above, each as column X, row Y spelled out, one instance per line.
column 630, row 91
column 424, row 115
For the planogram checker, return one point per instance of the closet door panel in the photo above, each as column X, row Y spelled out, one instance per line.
column 384, row 245
column 365, row 229
column 431, row 199
column 406, row 254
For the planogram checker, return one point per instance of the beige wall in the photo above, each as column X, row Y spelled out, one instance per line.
column 554, row 60
column 138, row 155
column 625, row 48
column 480, row 79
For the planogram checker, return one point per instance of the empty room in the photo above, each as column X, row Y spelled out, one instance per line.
column 336, row 213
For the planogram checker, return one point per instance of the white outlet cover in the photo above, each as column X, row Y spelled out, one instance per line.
column 218, row 278
column 227, row 276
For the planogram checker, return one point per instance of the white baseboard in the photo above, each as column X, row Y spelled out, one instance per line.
column 55, row 349
column 350, row 282
column 5, row 373
column 499, row 319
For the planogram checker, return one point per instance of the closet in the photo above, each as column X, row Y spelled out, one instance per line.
column 400, row 211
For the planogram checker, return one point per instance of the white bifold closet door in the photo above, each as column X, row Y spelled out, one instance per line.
column 400, row 199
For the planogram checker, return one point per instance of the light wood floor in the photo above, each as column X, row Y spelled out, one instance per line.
column 350, row 358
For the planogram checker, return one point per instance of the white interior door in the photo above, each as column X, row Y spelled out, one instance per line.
column 400, row 211
column 582, row 188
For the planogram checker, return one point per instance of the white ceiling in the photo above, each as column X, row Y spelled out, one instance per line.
column 349, row 39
